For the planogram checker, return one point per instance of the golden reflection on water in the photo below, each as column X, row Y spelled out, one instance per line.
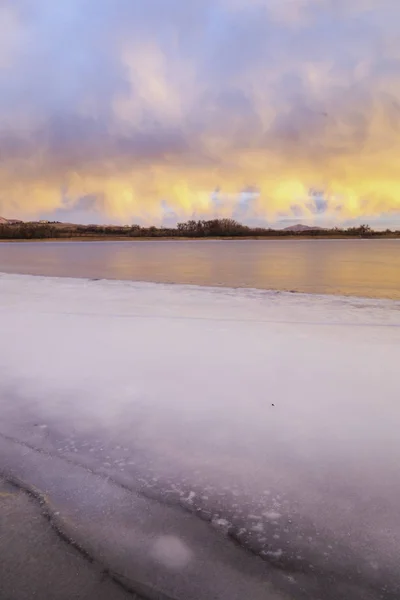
column 351, row 267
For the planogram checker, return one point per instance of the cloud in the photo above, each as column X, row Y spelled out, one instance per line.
column 148, row 108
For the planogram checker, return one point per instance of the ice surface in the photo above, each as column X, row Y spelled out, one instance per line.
column 272, row 416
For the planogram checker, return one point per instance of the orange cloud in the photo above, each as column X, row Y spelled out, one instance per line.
column 152, row 114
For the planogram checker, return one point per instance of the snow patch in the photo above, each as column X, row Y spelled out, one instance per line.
column 272, row 515
column 172, row 552
column 221, row 524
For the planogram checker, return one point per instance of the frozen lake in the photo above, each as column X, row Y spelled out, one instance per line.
column 369, row 268
column 200, row 442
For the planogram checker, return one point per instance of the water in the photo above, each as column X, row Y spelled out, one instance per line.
column 369, row 268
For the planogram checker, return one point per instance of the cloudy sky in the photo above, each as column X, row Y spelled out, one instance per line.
column 160, row 110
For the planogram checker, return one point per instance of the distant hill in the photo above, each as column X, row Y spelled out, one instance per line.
column 4, row 221
column 299, row 227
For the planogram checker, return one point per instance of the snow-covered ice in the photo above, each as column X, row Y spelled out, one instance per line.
column 270, row 418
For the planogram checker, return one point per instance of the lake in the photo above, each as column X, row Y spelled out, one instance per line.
column 369, row 268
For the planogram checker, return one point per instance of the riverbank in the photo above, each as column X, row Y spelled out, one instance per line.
column 111, row 238
column 213, row 229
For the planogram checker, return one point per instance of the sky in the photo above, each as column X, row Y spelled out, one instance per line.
column 157, row 111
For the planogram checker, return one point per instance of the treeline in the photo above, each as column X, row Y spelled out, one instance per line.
column 27, row 231
column 214, row 228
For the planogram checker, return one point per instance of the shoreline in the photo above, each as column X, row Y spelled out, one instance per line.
column 244, row 291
